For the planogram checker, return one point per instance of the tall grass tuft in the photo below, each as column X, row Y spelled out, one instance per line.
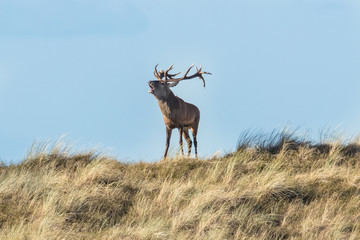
column 277, row 186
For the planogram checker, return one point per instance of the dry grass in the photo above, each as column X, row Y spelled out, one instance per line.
column 302, row 192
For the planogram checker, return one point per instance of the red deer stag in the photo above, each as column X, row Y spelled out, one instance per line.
column 176, row 112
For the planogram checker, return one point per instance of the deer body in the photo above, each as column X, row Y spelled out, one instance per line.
column 176, row 112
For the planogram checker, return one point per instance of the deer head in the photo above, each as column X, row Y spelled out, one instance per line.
column 161, row 87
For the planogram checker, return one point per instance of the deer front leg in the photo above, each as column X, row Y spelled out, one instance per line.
column 168, row 136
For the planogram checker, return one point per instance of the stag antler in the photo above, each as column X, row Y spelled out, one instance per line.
column 185, row 77
column 159, row 76
column 168, row 75
column 165, row 76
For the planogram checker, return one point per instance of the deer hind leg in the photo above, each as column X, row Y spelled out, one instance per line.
column 194, row 133
column 168, row 136
column 188, row 140
column 181, row 130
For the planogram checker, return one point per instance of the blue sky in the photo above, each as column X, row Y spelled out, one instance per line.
column 80, row 69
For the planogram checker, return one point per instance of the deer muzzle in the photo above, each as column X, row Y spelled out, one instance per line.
column 151, row 87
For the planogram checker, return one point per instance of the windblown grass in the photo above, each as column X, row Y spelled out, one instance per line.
column 285, row 190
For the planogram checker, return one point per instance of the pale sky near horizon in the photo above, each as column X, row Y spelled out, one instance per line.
column 80, row 68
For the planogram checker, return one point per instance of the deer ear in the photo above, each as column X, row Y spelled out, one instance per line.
column 173, row 84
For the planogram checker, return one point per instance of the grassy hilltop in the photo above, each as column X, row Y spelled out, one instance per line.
column 285, row 190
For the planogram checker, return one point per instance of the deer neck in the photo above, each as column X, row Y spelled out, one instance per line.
column 168, row 104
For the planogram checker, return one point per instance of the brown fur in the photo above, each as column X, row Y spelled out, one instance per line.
column 176, row 114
